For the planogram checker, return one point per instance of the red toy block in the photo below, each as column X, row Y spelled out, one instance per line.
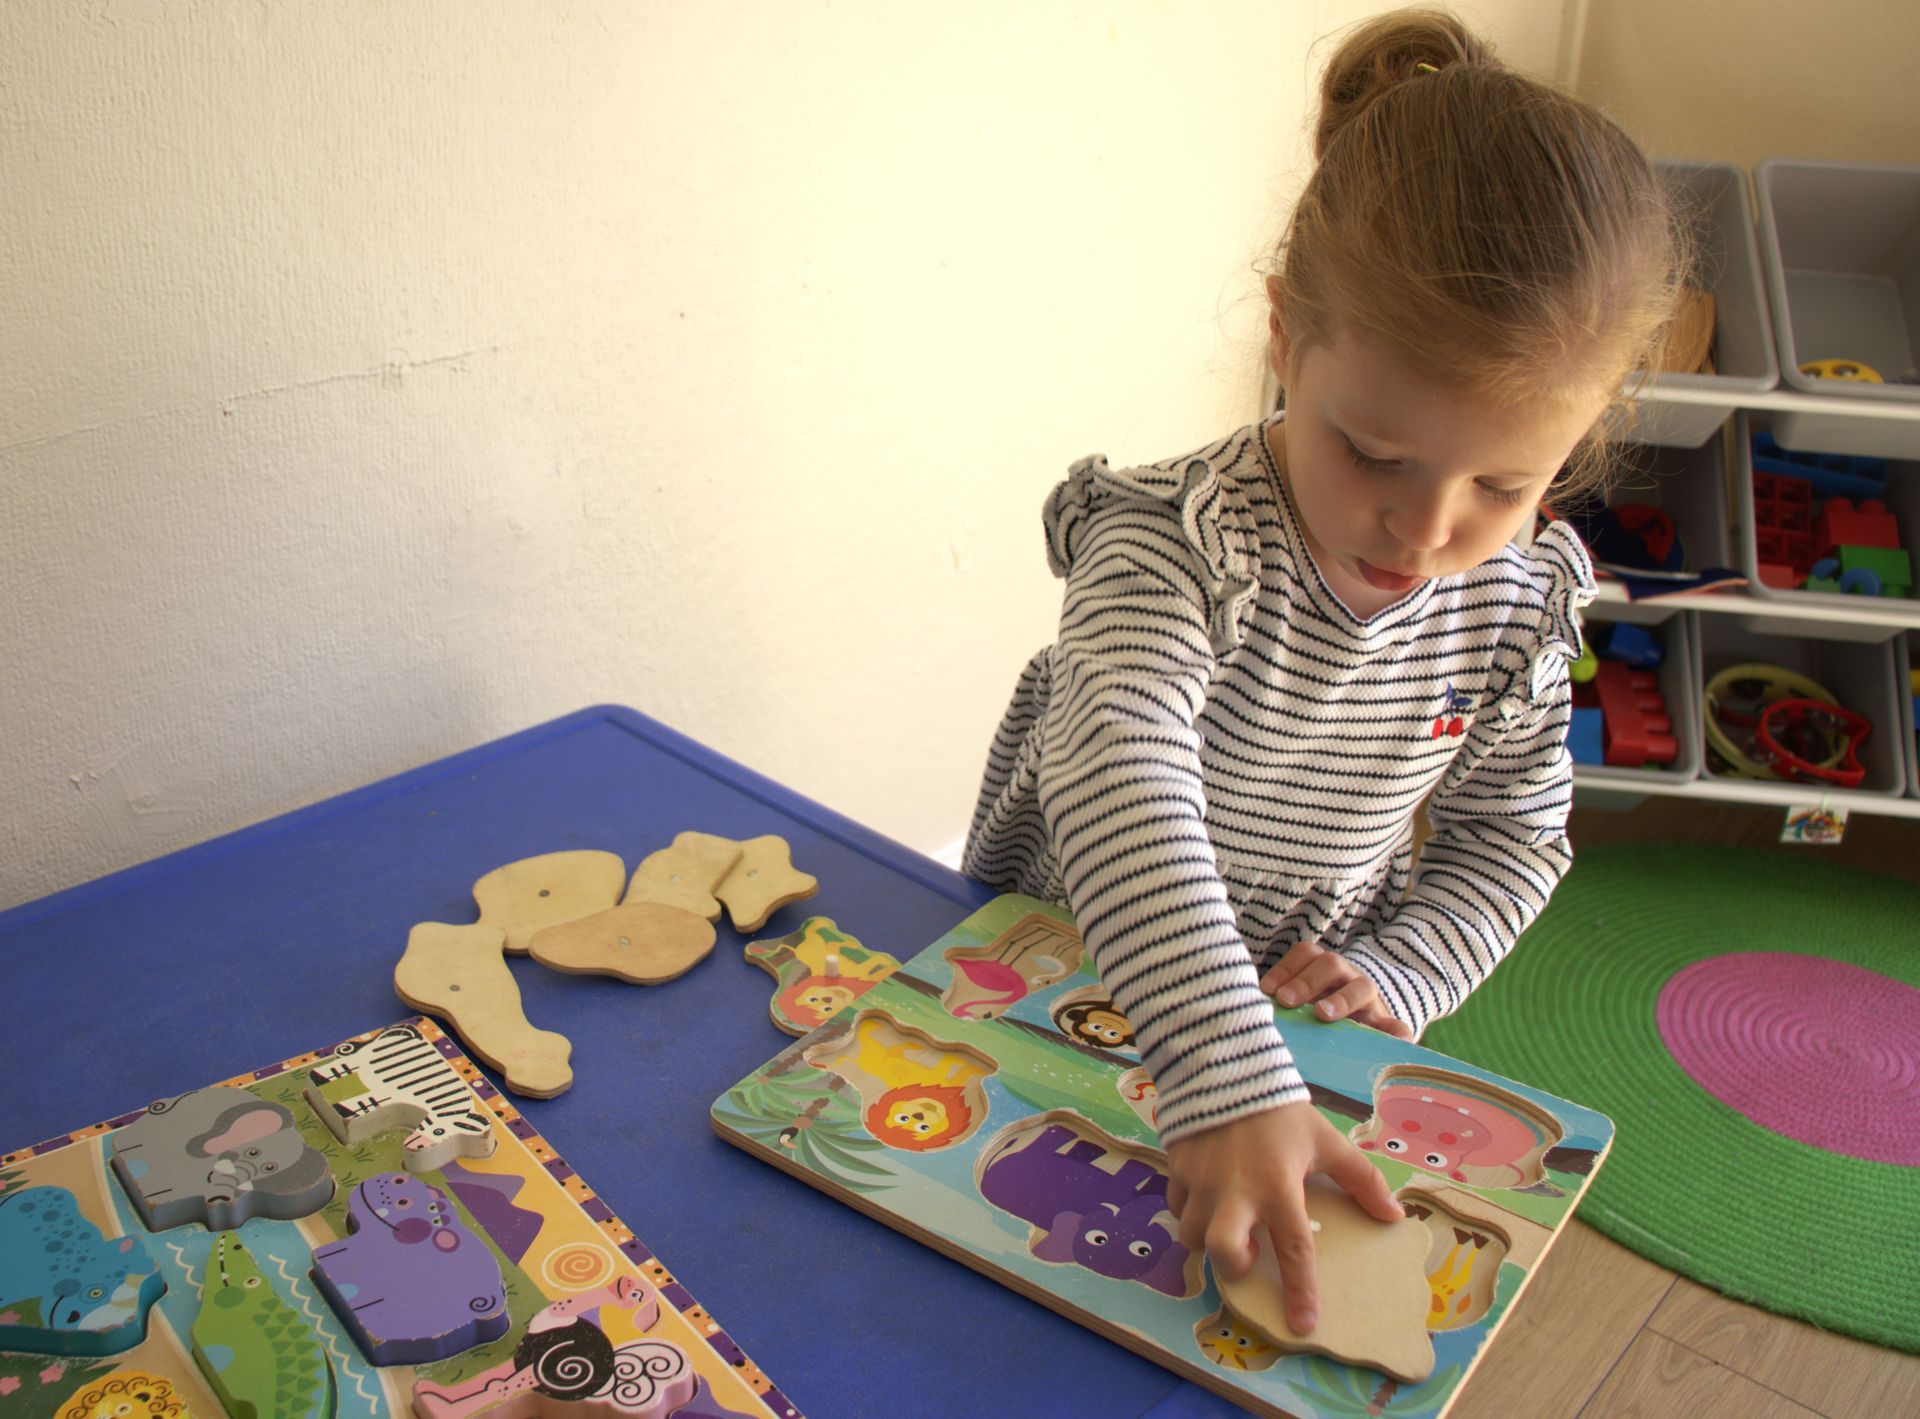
column 1843, row 525
column 1638, row 728
column 1778, row 575
column 1783, row 521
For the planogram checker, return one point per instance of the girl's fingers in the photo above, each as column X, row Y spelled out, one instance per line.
column 1291, row 1234
column 1290, row 965
column 1321, row 975
column 1368, row 1186
column 1230, row 1241
column 1356, row 995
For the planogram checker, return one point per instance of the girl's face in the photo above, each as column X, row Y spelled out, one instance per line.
column 1399, row 478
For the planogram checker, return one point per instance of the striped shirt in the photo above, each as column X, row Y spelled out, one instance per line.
column 1217, row 759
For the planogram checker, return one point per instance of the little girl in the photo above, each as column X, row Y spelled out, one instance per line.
column 1274, row 649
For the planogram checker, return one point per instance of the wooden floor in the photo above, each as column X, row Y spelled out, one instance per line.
column 1602, row 1333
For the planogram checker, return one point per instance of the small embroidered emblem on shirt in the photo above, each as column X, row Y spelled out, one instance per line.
column 1449, row 722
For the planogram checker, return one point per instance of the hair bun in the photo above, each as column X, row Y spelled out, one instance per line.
column 1385, row 52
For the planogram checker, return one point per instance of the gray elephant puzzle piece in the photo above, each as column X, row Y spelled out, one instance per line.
column 219, row 1156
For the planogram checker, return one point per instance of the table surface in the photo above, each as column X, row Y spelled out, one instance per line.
column 282, row 937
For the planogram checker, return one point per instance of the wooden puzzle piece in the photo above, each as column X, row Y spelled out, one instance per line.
column 259, row 1354
column 686, row 874
column 460, row 973
column 565, row 1363
column 126, row 1394
column 761, row 882
column 1458, row 1127
column 1035, row 952
column 1091, row 1200
column 398, row 1079
column 524, row 896
column 819, row 971
column 65, row 1288
column 645, row 943
column 409, row 1281
column 1374, row 1297
column 219, row 1156
column 917, row 1092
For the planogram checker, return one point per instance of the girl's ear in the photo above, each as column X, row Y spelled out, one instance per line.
column 1277, row 348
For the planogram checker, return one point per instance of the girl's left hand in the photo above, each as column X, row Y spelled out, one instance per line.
column 1311, row 972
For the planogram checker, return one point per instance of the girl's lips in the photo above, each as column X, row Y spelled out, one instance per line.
column 1383, row 580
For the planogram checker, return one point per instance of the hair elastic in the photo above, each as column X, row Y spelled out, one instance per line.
column 1426, row 68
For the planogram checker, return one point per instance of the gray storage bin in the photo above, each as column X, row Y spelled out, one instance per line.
column 1841, row 243
column 1680, row 685
column 1904, row 664
column 1688, row 484
column 1859, row 675
column 1901, row 496
column 1743, row 342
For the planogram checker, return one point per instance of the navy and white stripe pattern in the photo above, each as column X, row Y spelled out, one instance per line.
column 1217, row 759
column 401, row 1066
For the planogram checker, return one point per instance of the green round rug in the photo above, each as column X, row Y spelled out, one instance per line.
column 1751, row 1023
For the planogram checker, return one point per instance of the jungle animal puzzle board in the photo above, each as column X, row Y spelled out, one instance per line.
column 986, row 1099
column 437, row 1223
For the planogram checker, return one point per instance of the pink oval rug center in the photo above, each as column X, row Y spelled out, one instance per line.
column 1812, row 1049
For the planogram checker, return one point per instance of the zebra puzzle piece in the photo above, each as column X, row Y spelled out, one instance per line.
column 398, row 1079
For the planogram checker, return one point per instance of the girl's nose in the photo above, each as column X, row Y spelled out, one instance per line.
column 1421, row 523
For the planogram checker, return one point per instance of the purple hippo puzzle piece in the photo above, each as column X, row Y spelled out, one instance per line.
column 1084, row 1215
column 410, row 1282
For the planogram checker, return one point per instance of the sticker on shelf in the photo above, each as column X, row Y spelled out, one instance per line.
column 1814, row 823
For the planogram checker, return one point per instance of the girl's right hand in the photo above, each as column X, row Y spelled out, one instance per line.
column 1252, row 1172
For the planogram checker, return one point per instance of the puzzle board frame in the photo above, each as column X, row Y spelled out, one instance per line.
column 808, row 1122
column 578, row 1245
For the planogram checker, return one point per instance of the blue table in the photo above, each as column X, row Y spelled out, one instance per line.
column 282, row 938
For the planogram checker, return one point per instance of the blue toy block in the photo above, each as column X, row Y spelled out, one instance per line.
column 1833, row 475
column 1633, row 644
column 1587, row 737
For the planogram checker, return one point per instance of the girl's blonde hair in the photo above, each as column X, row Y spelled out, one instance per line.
column 1507, row 237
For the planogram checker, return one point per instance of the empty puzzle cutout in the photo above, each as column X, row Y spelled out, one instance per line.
column 1090, row 1017
column 218, row 1157
column 525, row 896
column 398, row 1079
column 1141, row 1094
column 410, row 1282
column 1374, row 1299
column 917, row 1093
column 686, row 874
column 818, row 971
column 1232, row 1344
column 460, row 974
column 1458, row 1127
column 259, row 1355
column 1089, row 1200
column 1463, row 1261
column 763, row 881
column 1035, row 952
column 65, row 1287
column 642, row 943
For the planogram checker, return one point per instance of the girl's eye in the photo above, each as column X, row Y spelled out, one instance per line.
column 1510, row 496
column 1360, row 460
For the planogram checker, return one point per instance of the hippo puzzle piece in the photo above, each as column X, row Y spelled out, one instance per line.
column 66, row 1288
column 686, row 874
column 1372, row 1276
column 646, row 943
column 398, row 1079
column 535, row 892
column 818, row 971
column 761, row 882
column 460, row 973
column 218, row 1157
column 409, row 1281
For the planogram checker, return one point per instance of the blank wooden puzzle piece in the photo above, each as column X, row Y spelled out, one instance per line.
column 460, row 974
column 66, row 1288
column 686, row 874
column 642, row 942
column 761, row 882
column 398, row 1079
column 409, row 1281
column 258, row 1354
column 1372, row 1276
column 524, row 896
column 819, row 970
column 219, row 1156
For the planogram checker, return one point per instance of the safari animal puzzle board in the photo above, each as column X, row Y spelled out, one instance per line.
column 987, row 1100
column 379, row 1199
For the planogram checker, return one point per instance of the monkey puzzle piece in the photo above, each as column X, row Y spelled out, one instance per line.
column 686, row 874
column 219, row 1156
column 525, row 896
column 761, row 882
column 65, row 1287
column 460, row 974
column 820, row 970
column 1374, row 1294
column 398, row 1079
column 644, row 943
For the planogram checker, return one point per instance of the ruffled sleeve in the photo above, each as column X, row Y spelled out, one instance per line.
column 1558, row 565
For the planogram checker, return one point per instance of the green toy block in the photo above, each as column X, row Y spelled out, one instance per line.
column 1890, row 564
column 1821, row 583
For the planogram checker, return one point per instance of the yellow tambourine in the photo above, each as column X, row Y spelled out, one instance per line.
column 1851, row 371
column 1738, row 696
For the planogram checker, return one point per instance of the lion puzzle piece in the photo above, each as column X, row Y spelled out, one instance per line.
column 686, row 874
column 460, row 973
column 1374, row 1294
column 761, row 882
column 525, row 896
column 645, row 943
column 820, row 971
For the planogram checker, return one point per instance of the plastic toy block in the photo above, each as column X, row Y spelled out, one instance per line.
column 1831, row 475
column 1586, row 737
column 1891, row 565
column 1633, row 645
column 1841, row 524
column 1638, row 728
column 1778, row 575
column 1783, row 521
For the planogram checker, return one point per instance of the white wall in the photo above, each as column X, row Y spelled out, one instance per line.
column 379, row 379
